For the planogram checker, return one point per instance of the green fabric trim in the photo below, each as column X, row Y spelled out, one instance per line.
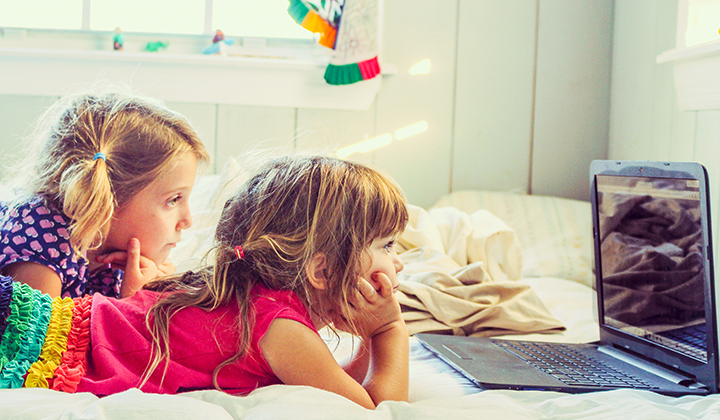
column 343, row 75
column 20, row 311
column 297, row 10
column 13, row 374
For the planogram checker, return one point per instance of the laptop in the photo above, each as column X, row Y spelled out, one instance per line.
column 657, row 302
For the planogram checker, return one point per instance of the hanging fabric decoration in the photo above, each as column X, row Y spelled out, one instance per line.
column 349, row 28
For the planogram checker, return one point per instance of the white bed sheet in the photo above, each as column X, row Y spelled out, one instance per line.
column 299, row 403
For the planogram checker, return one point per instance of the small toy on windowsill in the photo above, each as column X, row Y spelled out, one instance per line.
column 219, row 36
column 219, row 45
column 156, row 46
column 118, row 39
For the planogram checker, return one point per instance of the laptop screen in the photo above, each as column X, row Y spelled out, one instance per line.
column 652, row 262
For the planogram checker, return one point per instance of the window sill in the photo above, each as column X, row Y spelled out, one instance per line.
column 237, row 80
column 696, row 69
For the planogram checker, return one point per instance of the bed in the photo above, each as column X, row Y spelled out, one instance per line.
column 464, row 248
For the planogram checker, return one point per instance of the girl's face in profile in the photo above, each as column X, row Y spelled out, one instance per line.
column 157, row 215
column 383, row 259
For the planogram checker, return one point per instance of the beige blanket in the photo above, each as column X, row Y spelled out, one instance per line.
column 459, row 277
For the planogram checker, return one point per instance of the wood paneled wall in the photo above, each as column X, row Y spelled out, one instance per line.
column 645, row 120
column 517, row 98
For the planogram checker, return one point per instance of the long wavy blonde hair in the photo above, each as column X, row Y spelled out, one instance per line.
column 140, row 139
column 284, row 215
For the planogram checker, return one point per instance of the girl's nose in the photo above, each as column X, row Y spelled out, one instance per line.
column 398, row 263
column 186, row 221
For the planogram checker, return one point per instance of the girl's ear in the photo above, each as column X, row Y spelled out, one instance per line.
column 316, row 271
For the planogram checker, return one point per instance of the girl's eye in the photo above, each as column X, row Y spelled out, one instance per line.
column 389, row 246
column 173, row 202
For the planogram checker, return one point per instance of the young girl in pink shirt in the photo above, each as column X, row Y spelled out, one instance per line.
column 305, row 243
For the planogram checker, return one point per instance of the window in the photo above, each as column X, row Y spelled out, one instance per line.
column 701, row 21
column 695, row 59
column 264, row 19
column 51, row 14
column 240, row 18
column 274, row 61
column 151, row 16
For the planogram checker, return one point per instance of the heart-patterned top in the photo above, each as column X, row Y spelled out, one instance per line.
column 34, row 231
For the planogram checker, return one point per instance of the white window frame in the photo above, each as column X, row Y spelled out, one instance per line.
column 296, row 80
column 695, row 68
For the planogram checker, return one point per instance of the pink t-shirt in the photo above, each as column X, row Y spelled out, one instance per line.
column 199, row 342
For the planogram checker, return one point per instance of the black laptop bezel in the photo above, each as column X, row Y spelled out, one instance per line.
column 706, row 373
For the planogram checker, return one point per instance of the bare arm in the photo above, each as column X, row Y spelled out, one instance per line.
column 35, row 275
column 388, row 374
column 358, row 363
column 298, row 356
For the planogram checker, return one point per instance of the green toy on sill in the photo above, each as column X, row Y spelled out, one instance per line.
column 156, row 46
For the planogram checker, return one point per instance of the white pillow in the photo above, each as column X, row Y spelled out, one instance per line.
column 555, row 233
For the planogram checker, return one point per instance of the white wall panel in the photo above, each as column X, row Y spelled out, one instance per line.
column 707, row 151
column 203, row 118
column 328, row 130
column 646, row 122
column 633, row 75
column 666, row 112
column 241, row 129
column 416, row 30
column 645, row 119
column 477, row 100
column 18, row 113
column 682, row 146
column 572, row 94
column 494, row 96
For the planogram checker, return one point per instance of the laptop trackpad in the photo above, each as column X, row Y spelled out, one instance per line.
column 490, row 365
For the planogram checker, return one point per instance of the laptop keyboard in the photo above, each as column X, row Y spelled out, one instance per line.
column 571, row 366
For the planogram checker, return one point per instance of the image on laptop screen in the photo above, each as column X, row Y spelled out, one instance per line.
column 652, row 260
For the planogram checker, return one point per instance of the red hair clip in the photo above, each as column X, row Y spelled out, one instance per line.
column 239, row 252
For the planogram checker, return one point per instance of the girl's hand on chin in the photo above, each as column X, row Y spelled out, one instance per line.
column 138, row 270
column 166, row 268
column 375, row 308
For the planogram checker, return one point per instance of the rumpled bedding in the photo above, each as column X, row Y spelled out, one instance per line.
column 460, row 277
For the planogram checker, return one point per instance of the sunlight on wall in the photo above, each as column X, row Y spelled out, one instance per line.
column 382, row 140
column 422, row 67
column 365, row 146
column 411, row 130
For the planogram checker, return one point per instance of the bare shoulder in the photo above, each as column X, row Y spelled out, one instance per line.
column 35, row 275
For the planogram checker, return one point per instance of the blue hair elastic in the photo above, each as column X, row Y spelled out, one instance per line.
column 99, row 155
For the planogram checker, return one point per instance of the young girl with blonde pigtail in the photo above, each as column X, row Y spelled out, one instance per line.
column 106, row 199
column 305, row 243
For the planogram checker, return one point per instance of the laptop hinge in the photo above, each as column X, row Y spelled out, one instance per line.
column 657, row 370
